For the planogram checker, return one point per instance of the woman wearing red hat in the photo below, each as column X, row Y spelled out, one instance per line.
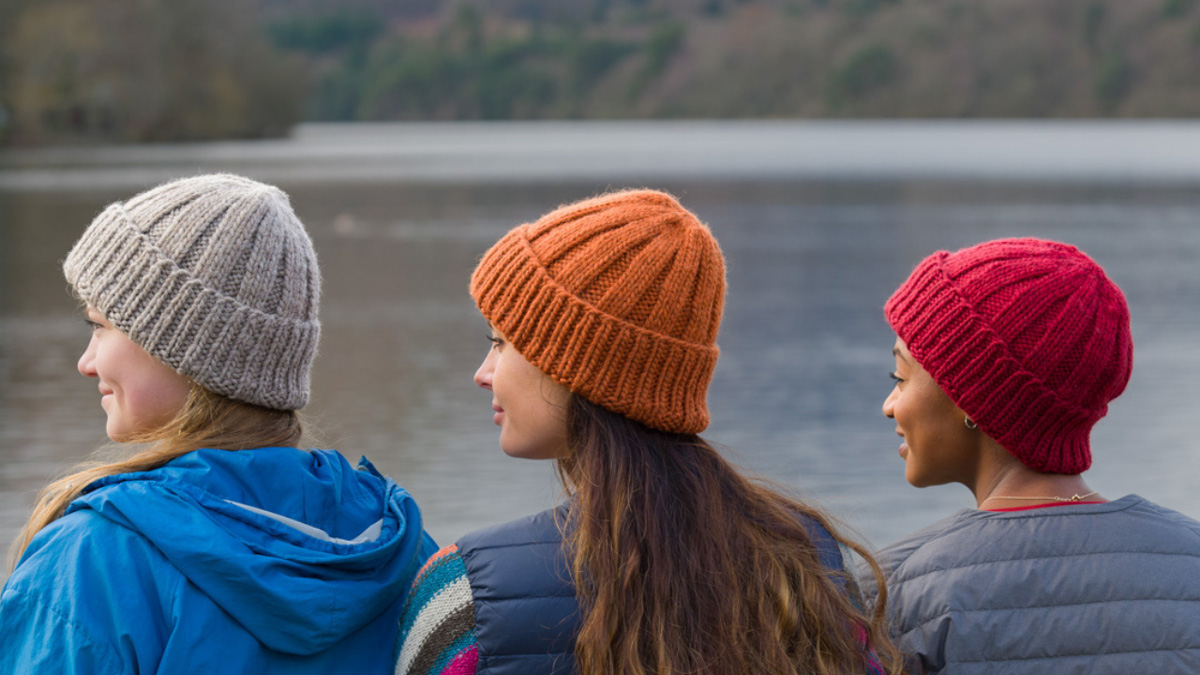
column 664, row 559
column 1007, row 353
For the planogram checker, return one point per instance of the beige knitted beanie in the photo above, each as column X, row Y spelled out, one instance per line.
column 216, row 277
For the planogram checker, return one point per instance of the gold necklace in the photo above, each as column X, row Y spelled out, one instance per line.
column 1072, row 498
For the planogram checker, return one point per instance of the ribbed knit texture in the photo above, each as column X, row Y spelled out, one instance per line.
column 438, row 625
column 618, row 298
column 1029, row 337
column 213, row 275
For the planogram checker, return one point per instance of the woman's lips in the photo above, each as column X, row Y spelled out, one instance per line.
column 904, row 450
column 499, row 414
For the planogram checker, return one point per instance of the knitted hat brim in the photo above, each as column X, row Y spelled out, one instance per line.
column 969, row 361
column 119, row 271
column 570, row 340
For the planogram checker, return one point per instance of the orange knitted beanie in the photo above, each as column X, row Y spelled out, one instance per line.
column 618, row 298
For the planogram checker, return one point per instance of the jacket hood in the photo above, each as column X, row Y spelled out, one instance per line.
column 297, row 546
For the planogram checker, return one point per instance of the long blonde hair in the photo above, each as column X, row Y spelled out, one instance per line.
column 206, row 420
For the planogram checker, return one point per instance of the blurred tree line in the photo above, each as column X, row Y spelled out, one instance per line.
column 142, row 70
column 184, row 69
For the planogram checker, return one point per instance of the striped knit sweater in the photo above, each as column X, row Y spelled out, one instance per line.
column 438, row 627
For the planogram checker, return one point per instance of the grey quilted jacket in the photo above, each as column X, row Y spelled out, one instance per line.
column 1095, row 589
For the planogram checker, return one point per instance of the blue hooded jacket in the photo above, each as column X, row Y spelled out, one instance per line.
column 274, row 560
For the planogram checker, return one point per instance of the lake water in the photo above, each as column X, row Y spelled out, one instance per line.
column 819, row 222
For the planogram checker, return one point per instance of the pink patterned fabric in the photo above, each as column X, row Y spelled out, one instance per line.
column 463, row 664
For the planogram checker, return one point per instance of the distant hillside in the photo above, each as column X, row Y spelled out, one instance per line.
column 137, row 70
column 504, row 59
column 527, row 59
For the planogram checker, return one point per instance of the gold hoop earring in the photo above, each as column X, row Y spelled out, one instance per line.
column 969, row 424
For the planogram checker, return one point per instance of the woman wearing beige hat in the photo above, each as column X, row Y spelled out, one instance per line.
column 213, row 544
column 664, row 558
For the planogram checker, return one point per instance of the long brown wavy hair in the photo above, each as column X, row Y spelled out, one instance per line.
column 682, row 565
column 206, row 420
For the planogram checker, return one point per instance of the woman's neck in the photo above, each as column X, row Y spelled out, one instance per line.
column 1004, row 482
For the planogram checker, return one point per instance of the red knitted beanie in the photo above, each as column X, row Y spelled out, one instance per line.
column 618, row 298
column 1029, row 337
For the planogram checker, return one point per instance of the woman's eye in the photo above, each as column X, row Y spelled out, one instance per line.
column 896, row 377
column 92, row 325
column 496, row 342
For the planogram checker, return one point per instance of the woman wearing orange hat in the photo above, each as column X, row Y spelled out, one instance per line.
column 664, row 559
column 1008, row 352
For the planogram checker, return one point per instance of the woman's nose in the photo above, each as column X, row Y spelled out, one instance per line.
column 889, row 404
column 87, row 361
column 483, row 376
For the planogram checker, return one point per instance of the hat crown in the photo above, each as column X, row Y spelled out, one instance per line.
column 1057, row 311
column 639, row 256
column 238, row 237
